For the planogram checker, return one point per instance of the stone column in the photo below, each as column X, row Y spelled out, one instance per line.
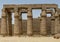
column 4, row 23
column 20, row 23
column 59, row 24
column 9, row 24
column 29, row 22
column 16, row 22
column 43, row 29
column 52, row 24
column 56, row 23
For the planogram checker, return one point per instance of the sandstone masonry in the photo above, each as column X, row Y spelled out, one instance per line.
column 44, row 25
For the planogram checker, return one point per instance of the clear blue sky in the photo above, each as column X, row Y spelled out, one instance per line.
column 36, row 13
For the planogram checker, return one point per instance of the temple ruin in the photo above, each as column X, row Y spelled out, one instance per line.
column 44, row 26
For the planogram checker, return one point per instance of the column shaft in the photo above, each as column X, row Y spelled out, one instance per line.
column 16, row 23
column 4, row 23
column 56, row 23
column 29, row 22
column 43, row 30
column 20, row 23
column 9, row 24
column 52, row 25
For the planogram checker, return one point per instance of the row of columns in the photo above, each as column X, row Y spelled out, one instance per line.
column 6, row 25
column 54, row 23
column 17, row 30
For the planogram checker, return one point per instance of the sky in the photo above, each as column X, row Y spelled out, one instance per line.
column 36, row 13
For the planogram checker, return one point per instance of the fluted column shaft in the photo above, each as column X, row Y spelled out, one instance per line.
column 29, row 22
column 4, row 23
column 43, row 30
column 16, row 22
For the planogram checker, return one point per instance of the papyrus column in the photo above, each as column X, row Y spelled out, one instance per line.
column 20, row 22
column 4, row 23
column 9, row 23
column 56, row 23
column 16, row 22
column 59, row 24
column 52, row 24
column 43, row 30
column 29, row 22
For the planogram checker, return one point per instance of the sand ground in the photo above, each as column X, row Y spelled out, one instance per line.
column 28, row 39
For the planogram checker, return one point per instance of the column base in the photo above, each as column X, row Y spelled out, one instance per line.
column 16, row 34
column 3, row 35
column 43, row 34
column 52, row 33
column 29, row 34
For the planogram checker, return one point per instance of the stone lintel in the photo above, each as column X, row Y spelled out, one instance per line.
column 31, row 5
